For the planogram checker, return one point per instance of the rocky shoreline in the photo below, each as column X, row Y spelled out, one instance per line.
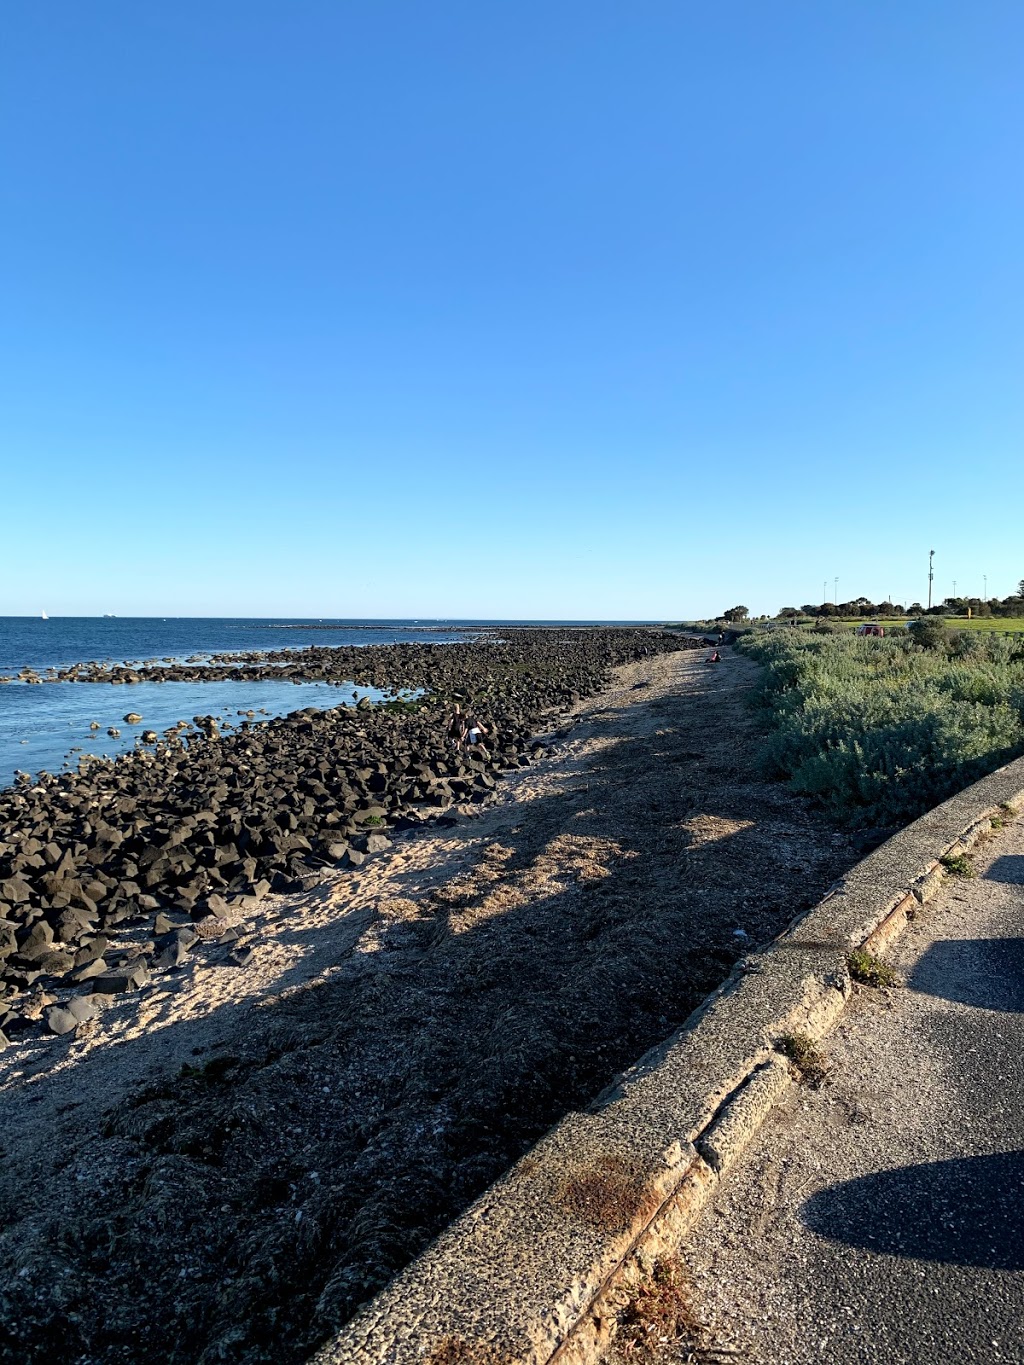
column 407, row 665
column 172, row 841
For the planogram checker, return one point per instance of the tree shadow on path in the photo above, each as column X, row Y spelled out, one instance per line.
column 967, row 1211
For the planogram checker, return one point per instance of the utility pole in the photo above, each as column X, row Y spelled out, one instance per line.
column 984, row 579
column 824, row 590
column 954, row 587
column 837, row 591
column 931, row 575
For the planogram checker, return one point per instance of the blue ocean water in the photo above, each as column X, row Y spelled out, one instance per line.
column 44, row 727
column 49, row 726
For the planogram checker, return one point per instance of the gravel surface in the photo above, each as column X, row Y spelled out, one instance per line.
column 880, row 1217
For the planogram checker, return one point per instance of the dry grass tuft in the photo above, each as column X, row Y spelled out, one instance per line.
column 609, row 1194
column 660, row 1314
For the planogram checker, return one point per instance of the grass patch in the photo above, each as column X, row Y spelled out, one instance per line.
column 959, row 865
column 660, row 1314
column 808, row 1060
column 870, row 970
column 880, row 730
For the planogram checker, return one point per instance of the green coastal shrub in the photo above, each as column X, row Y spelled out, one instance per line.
column 880, row 730
column 931, row 632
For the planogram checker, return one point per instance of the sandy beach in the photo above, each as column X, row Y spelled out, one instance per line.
column 249, row 1151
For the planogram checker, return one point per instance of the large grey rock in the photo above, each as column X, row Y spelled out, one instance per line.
column 132, row 976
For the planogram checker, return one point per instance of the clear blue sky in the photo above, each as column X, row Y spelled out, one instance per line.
column 561, row 309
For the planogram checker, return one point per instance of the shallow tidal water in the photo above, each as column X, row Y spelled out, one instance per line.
column 48, row 726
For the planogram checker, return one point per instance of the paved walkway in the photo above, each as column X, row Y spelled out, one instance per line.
column 881, row 1217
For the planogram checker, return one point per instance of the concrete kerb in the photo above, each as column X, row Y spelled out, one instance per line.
column 537, row 1268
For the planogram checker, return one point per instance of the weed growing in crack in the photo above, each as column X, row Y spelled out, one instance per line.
column 870, row 970
column 959, row 865
column 809, row 1060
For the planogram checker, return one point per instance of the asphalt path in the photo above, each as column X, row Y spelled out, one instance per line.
column 880, row 1217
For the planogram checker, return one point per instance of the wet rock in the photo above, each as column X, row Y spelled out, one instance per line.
column 133, row 718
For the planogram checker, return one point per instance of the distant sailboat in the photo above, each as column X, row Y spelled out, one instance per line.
column 45, row 617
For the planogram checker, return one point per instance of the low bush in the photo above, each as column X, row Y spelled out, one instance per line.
column 880, row 730
column 931, row 632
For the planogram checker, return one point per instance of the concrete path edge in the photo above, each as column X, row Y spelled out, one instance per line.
column 536, row 1269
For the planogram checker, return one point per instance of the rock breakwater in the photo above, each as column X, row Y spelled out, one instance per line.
column 176, row 839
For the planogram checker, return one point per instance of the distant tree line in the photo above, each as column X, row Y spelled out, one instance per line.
column 864, row 607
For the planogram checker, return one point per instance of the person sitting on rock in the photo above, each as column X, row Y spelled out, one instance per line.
column 714, row 658
column 475, row 733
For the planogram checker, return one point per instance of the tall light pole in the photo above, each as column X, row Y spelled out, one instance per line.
column 837, row 591
column 931, row 575
column 824, row 590
column 954, row 587
column 984, row 579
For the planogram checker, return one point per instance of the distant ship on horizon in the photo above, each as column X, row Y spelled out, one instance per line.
column 44, row 617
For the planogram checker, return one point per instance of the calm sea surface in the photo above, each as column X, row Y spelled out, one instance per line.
column 48, row 726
